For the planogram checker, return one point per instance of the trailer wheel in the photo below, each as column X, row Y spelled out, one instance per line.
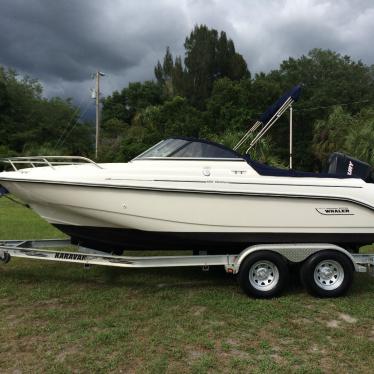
column 327, row 274
column 263, row 274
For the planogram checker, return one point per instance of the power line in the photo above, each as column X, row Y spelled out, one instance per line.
column 74, row 124
column 321, row 107
column 330, row 106
column 67, row 128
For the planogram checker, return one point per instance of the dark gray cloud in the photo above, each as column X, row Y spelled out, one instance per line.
column 67, row 39
column 266, row 32
column 63, row 42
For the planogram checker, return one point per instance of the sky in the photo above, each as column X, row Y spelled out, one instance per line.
column 62, row 42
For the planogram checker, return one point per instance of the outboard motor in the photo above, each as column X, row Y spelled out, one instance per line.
column 342, row 164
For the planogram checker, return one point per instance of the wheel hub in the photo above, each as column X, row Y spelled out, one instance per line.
column 326, row 273
column 264, row 275
column 329, row 274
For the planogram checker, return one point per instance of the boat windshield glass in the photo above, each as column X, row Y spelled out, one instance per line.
column 186, row 148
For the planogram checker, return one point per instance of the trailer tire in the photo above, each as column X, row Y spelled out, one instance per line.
column 263, row 274
column 327, row 274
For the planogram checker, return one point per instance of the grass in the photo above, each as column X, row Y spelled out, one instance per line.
column 62, row 318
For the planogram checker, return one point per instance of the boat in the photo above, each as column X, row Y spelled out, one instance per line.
column 194, row 194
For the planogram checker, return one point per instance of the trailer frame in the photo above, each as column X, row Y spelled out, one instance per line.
column 294, row 252
column 55, row 250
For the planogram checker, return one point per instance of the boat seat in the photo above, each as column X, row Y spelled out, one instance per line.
column 267, row 170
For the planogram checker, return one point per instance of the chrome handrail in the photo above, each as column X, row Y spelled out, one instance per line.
column 50, row 161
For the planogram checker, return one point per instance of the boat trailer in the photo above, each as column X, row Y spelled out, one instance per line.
column 260, row 272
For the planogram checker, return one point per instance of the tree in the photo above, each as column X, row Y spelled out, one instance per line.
column 28, row 121
column 125, row 104
column 330, row 134
column 228, row 106
column 343, row 132
column 209, row 56
column 359, row 141
column 212, row 86
column 18, row 97
column 328, row 79
column 165, row 73
column 175, row 117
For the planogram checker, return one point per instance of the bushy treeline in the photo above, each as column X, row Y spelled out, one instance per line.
column 208, row 93
column 31, row 124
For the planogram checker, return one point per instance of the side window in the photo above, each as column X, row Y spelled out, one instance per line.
column 217, row 152
column 203, row 150
column 164, row 148
column 194, row 149
column 187, row 149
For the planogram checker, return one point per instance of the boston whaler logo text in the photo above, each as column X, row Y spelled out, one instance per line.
column 70, row 256
column 334, row 211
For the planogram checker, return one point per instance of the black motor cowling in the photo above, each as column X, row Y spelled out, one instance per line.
column 342, row 164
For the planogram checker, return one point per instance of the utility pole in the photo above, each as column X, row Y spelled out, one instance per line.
column 97, row 96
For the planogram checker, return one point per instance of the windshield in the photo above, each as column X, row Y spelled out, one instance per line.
column 188, row 148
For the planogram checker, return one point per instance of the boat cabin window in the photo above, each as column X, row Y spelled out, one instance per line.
column 188, row 148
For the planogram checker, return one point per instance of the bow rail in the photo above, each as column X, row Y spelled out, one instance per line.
column 51, row 161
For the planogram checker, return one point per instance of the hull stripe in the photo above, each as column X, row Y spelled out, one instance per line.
column 177, row 190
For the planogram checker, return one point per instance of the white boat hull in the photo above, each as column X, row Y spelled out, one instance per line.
column 130, row 217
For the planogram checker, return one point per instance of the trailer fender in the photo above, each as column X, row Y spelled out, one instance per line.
column 294, row 252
